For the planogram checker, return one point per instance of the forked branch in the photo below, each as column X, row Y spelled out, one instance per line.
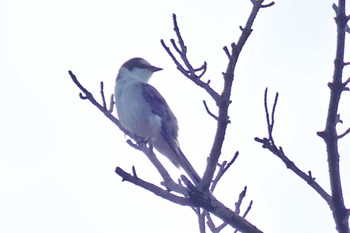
column 269, row 143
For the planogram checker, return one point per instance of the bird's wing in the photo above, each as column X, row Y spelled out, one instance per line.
column 169, row 129
column 160, row 107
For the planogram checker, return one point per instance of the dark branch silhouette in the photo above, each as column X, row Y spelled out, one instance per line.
column 335, row 200
column 269, row 143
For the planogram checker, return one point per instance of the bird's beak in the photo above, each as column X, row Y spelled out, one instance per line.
column 155, row 69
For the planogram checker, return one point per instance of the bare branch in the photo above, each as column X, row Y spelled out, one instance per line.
column 270, row 122
column 134, row 172
column 201, row 220
column 268, row 5
column 189, row 71
column 153, row 188
column 248, row 209
column 240, row 200
column 273, row 111
column 82, row 96
column 227, row 52
column 269, row 144
column 224, row 100
column 345, row 84
column 86, row 95
column 211, row 225
column 210, row 222
column 168, row 181
column 111, row 104
column 246, row 212
column 344, row 134
column 208, row 110
column 222, row 169
column 104, row 105
column 290, row 165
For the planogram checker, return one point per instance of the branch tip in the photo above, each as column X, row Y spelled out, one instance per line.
column 208, row 111
column 134, row 171
column 226, row 51
column 82, row 96
column 267, row 5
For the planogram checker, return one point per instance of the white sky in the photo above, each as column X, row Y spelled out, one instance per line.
column 58, row 153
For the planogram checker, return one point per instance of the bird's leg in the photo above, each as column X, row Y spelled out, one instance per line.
column 138, row 140
column 145, row 141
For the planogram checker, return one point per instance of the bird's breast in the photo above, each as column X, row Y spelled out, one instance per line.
column 134, row 111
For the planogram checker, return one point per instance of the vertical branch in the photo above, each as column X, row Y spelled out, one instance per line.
column 270, row 120
column 224, row 99
column 329, row 135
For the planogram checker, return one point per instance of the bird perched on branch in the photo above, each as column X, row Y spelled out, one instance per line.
column 143, row 111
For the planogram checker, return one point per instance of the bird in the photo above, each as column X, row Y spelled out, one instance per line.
column 144, row 112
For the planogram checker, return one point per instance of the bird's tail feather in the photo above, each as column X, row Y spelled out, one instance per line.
column 176, row 156
column 187, row 166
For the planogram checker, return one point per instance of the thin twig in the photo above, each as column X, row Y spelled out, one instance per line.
column 273, row 111
column 189, row 71
column 208, row 110
column 86, row 95
column 291, row 165
column 104, row 105
column 240, row 200
column 246, row 212
column 268, row 5
column 201, row 220
column 227, row 52
column 211, row 225
column 111, row 104
column 344, row 134
column 248, row 209
column 222, row 170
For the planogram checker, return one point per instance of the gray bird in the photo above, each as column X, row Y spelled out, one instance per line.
column 143, row 111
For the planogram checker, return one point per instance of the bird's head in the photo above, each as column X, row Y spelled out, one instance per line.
column 137, row 69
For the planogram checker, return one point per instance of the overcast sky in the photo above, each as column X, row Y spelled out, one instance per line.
column 58, row 153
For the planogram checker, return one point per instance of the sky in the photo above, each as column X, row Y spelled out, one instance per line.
column 58, row 153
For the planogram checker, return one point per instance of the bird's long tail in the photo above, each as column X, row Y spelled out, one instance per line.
column 174, row 153
column 187, row 166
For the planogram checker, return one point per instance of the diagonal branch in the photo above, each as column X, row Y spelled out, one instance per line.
column 86, row 95
column 189, row 71
column 269, row 143
column 152, row 188
column 222, row 169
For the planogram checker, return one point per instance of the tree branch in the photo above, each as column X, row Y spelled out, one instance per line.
column 269, row 143
column 329, row 135
column 86, row 95
column 190, row 72
column 222, row 169
column 208, row 110
column 152, row 188
column 224, row 100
